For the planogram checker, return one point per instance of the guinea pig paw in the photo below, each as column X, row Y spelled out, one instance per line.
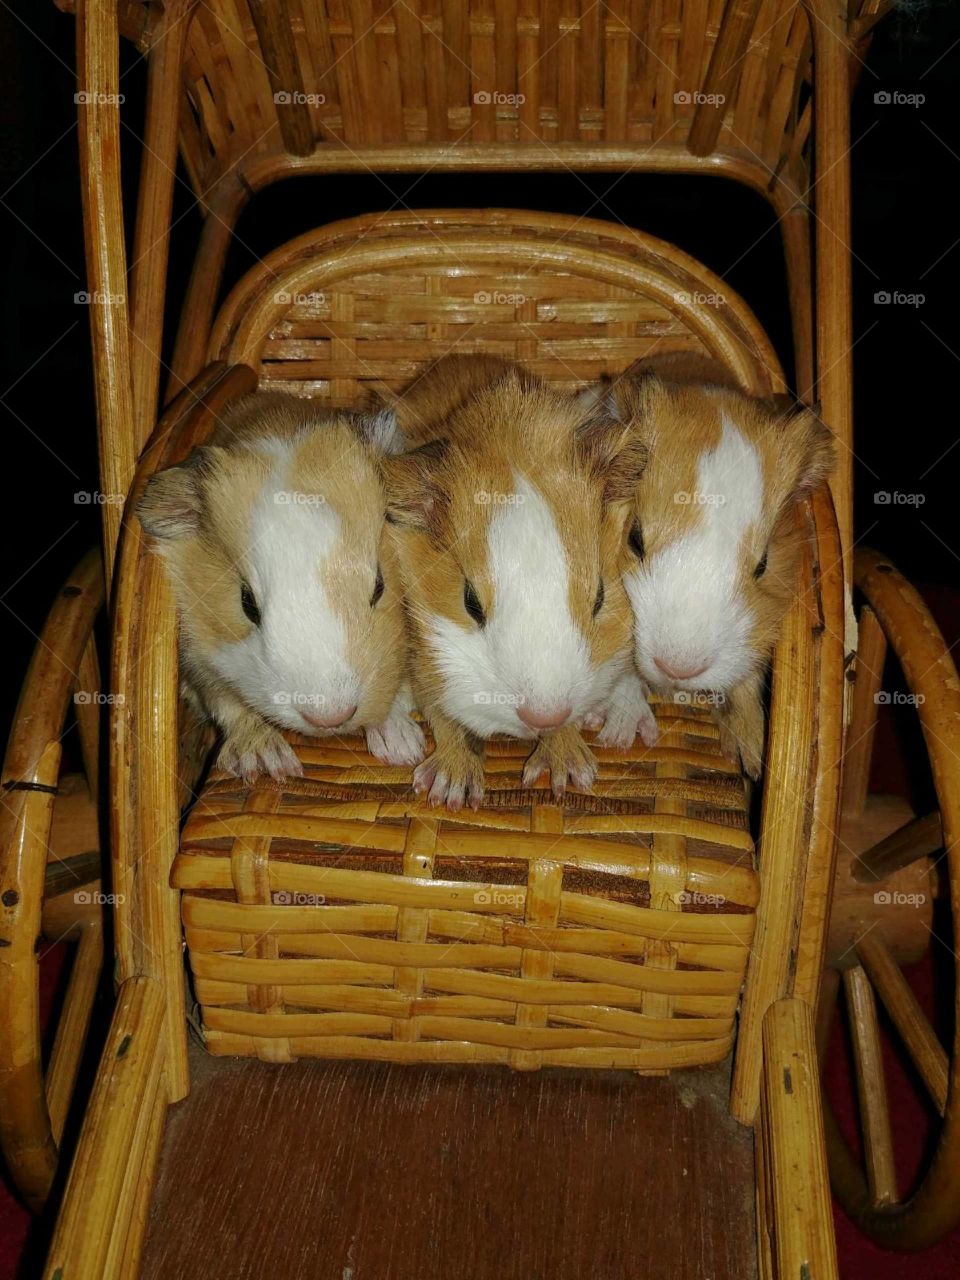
column 399, row 740
column 594, row 720
column 451, row 786
column 647, row 728
column 566, row 758
column 626, row 721
column 272, row 754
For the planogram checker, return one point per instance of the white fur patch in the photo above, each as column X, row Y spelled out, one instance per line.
column 296, row 660
column 531, row 651
column 687, row 609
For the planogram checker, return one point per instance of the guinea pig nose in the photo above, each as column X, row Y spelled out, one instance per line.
column 333, row 720
column 677, row 672
column 537, row 719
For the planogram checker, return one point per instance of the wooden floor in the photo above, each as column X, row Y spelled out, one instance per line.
column 347, row 1171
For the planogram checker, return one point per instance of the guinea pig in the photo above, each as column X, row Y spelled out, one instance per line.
column 715, row 543
column 509, row 515
column 287, row 590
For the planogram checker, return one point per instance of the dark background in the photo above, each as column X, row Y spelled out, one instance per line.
column 906, row 171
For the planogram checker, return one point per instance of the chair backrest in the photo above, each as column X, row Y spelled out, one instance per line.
column 367, row 302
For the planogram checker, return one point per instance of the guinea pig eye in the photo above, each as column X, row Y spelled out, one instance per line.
column 377, row 588
column 248, row 603
column 471, row 602
column 761, row 568
column 598, row 603
column 635, row 540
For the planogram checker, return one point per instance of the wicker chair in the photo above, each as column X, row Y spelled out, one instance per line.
column 633, row 936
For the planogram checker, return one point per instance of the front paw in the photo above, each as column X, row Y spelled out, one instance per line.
column 452, row 776
column 258, row 748
column 399, row 740
column 628, row 715
column 566, row 757
column 741, row 734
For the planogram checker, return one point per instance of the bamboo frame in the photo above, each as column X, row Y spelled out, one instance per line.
column 32, row 1108
column 144, row 784
column 901, row 616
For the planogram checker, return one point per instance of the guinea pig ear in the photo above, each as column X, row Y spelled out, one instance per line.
column 170, row 505
column 379, row 429
column 410, row 479
column 614, row 452
column 809, row 448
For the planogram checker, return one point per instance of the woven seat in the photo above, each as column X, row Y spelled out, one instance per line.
column 340, row 916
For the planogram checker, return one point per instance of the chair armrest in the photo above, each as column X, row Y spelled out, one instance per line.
column 794, row 1213
column 146, row 776
column 798, row 827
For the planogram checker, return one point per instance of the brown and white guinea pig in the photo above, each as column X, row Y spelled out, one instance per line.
column 288, row 592
column 509, row 514
column 715, row 543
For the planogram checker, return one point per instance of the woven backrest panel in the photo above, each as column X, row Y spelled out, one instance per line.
column 368, row 302
column 339, row 916
column 540, row 75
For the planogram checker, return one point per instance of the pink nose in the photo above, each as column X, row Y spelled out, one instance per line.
column 680, row 673
column 544, row 719
column 333, row 720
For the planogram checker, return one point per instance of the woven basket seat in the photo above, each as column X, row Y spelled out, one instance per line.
column 340, row 916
